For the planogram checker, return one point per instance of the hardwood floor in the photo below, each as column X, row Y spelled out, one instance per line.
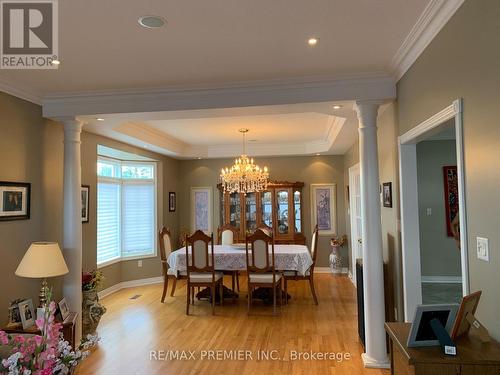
column 133, row 328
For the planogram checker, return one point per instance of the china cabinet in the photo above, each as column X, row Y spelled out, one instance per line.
column 279, row 207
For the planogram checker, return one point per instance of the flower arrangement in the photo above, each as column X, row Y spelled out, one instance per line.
column 338, row 241
column 44, row 354
column 91, row 279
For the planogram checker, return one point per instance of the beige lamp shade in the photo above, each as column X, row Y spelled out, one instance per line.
column 43, row 259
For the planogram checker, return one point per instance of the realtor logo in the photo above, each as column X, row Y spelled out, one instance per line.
column 29, row 34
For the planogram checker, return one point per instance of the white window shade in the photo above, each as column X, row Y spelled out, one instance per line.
column 108, row 221
column 138, row 218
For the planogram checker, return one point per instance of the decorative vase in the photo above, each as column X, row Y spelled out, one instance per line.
column 92, row 311
column 336, row 260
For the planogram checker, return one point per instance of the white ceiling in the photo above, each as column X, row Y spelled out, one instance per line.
column 207, row 45
column 219, row 41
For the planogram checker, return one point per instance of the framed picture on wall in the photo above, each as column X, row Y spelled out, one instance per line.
column 323, row 208
column 387, row 194
column 85, row 203
column 450, row 196
column 201, row 209
column 14, row 200
column 171, row 201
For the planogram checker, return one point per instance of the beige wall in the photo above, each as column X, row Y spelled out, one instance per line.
column 21, row 155
column 462, row 62
column 308, row 169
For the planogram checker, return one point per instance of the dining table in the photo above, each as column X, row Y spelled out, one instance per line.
column 233, row 258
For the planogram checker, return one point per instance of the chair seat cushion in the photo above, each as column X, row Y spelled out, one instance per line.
column 294, row 273
column 204, row 277
column 171, row 271
column 263, row 277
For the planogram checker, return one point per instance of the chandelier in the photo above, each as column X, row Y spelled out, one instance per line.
column 244, row 176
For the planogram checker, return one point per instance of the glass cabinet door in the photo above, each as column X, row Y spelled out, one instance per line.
column 235, row 210
column 267, row 208
column 298, row 211
column 282, row 212
column 251, row 212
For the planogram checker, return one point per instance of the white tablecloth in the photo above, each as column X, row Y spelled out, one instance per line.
column 228, row 258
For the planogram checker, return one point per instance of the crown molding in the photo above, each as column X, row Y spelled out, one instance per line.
column 435, row 15
column 271, row 92
column 20, row 91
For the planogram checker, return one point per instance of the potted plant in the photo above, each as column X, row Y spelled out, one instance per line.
column 92, row 310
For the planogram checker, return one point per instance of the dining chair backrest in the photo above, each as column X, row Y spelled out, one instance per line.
column 200, row 260
column 314, row 244
column 266, row 229
column 227, row 235
column 165, row 240
column 260, row 252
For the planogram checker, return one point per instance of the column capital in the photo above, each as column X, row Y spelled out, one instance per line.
column 72, row 128
column 367, row 111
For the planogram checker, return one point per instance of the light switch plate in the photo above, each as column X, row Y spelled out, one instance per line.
column 483, row 249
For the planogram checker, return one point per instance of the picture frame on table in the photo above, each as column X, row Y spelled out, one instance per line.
column 15, row 200
column 387, row 194
column 171, row 201
column 85, row 203
column 324, row 208
column 63, row 308
column 27, row 313
column 467, row 306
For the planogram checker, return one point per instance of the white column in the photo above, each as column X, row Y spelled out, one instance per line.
column 72, row 219
column 373, row 276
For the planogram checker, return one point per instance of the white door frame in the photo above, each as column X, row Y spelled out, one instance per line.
column 410, row 235
column 352, row 217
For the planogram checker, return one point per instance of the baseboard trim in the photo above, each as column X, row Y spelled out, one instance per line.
column 442, row 279
column 345, row 270
column 129, row 284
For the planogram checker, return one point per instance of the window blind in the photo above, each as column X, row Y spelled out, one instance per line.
column 138, row 218
column 108, row 221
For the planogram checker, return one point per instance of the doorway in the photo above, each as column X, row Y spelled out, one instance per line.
column 410, row 218
column 355, row 218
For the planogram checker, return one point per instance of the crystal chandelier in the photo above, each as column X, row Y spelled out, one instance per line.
column 244, row 176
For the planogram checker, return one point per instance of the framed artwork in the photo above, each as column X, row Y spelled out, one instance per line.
column 85, row 203
column 171, row 201
column 201, row 209
column 27, row 313
column 450, row 196
column 63, row 308
column 323, row 208
column 387, row 194
column 421, row 333
column 468, row 306
column 15, row 200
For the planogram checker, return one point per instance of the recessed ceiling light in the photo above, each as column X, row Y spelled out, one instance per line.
column 337, row 106
column 146, row 146
column 318, row 154
column 152, row 22
column 313, row 41
column 99, row 119
column 199, row 157
column 55, row 62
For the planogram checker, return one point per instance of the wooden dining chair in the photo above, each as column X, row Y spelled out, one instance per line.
column 261, row 266
column 266, row 229
column 200, row 267
column 228, row 235
column 165, row 240
column 309, row 275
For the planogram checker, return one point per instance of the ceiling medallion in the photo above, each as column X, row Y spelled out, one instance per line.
column 244, row 176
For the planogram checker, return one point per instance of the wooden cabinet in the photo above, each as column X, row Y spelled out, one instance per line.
column 473, row 356
column 279, row 207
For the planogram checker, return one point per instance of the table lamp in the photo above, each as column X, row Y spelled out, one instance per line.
column 42, row 260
